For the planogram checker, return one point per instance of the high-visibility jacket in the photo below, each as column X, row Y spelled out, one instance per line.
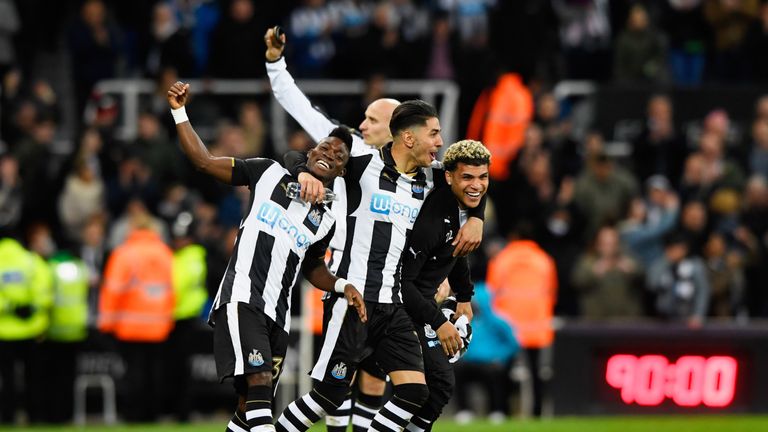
column 136, row 302
column 189, row 274
column 69, row 312
column 522, row 280
column 499, row 119
column 25, row 292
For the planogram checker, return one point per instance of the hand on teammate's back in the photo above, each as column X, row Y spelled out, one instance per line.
column 469, row 237
column 355, row 299
column 274, row 51
column 178, row 94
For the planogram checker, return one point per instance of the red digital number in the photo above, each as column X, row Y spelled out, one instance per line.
column 691, row 381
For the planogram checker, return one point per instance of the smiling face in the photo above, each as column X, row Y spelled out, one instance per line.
column 468, row 183
column 424, row 142
column 375, row 126
column 328, row 159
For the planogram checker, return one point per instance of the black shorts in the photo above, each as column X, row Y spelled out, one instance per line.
column 438, row 370
column 389, row 335
column 246, row 341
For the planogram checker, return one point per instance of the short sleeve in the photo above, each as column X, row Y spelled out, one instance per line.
column 247, row 172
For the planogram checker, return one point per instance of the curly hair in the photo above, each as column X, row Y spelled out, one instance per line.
column 470, row 152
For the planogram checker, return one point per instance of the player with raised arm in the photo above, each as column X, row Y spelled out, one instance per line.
column 278, row 236
column 385, row 191
column 428, row 260
column 373, row 133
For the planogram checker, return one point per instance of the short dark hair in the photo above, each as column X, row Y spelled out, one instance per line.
column 411, row 113
column 344, row 135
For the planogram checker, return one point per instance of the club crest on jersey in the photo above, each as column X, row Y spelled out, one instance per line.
column 428, row 332
column 255, row 358
column 417, row 188
column 315, row 217
column 339, row 371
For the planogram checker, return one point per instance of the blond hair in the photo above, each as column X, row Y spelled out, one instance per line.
column 470, row 152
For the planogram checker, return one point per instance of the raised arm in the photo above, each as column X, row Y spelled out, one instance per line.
column 295, row 102
column 217, row 167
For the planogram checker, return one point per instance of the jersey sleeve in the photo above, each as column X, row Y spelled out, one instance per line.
column 423, row 239
column 461, row 281
column 246, row 172
column 314, row 121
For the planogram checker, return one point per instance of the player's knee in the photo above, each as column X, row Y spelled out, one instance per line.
column 416, row 394
column 371, row 385
column 335, row 394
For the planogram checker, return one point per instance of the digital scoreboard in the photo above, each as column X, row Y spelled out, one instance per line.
column 657, row 368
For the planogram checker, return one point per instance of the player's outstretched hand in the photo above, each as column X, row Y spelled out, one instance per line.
column 275, row 44
column 469, row 237
column 450, row 339
column 355, row 299
column 178, row 95
column 312, row 189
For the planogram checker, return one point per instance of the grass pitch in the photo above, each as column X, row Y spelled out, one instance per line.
column 725, row 423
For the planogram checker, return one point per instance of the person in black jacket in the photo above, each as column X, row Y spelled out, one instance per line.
column 429, row 258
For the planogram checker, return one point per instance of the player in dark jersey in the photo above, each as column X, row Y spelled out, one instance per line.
column 251, row 311
column 428, row 259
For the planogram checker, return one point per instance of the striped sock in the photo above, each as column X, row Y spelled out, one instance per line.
column 406, row 401
column 237, row 423
column 419, row 424
column 258, row 408
column 364, row 410
column 302, row 413
column 338, row 420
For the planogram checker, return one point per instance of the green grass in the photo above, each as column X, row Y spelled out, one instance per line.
column 567, row 424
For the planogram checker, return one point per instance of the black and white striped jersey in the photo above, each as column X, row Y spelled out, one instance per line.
column 318, row 125
column 274, row 237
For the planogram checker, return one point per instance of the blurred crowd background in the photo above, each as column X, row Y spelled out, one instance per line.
column 670, row 225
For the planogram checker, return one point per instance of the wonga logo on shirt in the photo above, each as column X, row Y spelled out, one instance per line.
column 271, row 215
column 384, row 204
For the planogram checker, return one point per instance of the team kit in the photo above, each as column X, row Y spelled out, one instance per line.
column 398, row 224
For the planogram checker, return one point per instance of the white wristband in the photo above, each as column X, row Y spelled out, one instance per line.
column 179, row 115
column 340, row 284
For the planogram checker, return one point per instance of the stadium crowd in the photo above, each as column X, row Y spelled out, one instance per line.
column 675, row 230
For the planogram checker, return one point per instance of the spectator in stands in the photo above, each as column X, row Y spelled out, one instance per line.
column 556, row 135
column 719, row 169
column 603, row 191
column 758, row 157
column 761, row 108
column 82, row 197
column 729, row 20
column 726, row 278
column 695, row 185
column 659, row 149
column 609, row 279
column 488, row 362
column 311, row 29
column 157, row 152
column 679, row 282
column 694, row 226
column 199, row 18
column 11, row 195
column 95, row 48
column 585, row 35
column 441, row 49
column 121, row 227
column 240, row 32
column 640, row 51
column 136, row 307
column 254, row 129
column 688, row 35
column 92, row 249
column 649, row 220
column 168, row 44
column 750, row 235
column 133, row 179
column 522, row 280
column 40, row 171
column 755, row 45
